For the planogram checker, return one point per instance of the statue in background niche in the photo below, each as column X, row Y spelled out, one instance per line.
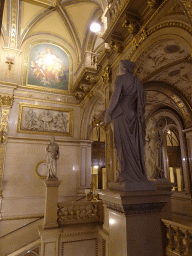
column 155, row 142
column 52, row 157
column 126, row 110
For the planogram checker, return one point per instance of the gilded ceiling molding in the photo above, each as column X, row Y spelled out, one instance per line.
column 177, row 98
column 170, row 24
column 14, row 14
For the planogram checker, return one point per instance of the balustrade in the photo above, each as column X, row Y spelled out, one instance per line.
column 179, row 238
column 113, row 9
column 89, row 61
column 80, row 212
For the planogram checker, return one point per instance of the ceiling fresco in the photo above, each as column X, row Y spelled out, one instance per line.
column 179, row 76
column 159, row 56
column 166, row 62
column 156, row 99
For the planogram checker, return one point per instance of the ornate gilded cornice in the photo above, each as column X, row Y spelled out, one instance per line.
column 170, row 24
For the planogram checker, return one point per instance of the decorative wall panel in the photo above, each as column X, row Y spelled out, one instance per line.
column 45, row 120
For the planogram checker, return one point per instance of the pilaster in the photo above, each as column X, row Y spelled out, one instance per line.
column 6, row 104
column 85, row 166
column 107, row 79
column 188, row 133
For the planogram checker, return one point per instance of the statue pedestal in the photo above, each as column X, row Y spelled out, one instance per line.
column 50, row 215
column 132, row 186
column 132, row 220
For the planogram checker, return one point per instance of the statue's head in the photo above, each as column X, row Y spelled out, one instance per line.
column 126, row 66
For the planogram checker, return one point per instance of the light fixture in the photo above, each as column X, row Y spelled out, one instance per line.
column 95, row 27
column 111, row 221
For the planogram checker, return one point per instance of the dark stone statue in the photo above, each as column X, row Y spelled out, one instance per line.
column 126, row 110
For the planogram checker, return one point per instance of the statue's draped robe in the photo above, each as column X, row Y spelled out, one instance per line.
column 126, row 109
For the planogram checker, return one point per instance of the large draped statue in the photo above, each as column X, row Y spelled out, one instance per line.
column 126, row 109
column 52, row 157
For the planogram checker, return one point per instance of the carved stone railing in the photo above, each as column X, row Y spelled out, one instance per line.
column 113, row 8
column 89, row 61
column 178, row 238
column 80, row 212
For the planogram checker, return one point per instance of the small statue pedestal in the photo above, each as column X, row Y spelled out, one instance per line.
column 132, row 219
column 50, row 216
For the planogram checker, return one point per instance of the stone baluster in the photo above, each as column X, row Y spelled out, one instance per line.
column 170, row 237
column 178, row 241
column 186, row 243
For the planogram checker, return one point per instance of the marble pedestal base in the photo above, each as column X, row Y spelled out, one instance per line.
column 132, row 220
column 50, row 215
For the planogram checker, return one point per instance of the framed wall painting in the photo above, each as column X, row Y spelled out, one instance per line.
column 49, row 68
column 45, row 120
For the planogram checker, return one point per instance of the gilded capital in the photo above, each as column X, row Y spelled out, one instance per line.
column 6, row 101
column 106, row 74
